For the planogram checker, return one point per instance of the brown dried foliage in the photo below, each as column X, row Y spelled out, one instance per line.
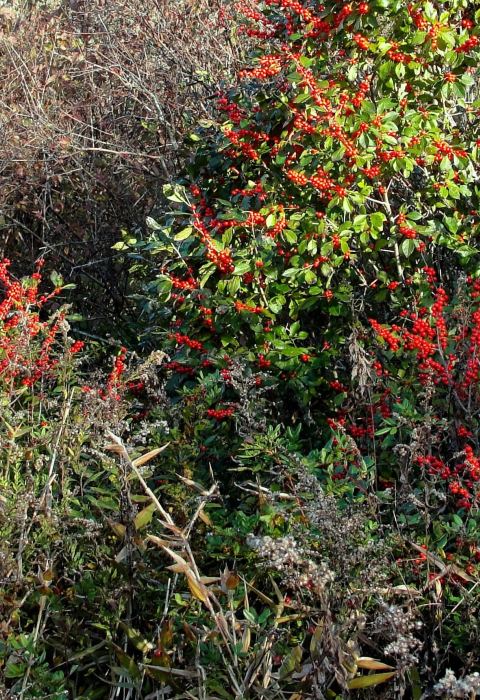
column 96, row 97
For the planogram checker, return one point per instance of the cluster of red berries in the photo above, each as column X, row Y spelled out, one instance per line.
column 178, row 283
column 298, row 178
column 221, row 259
column 419, row 20
column 221, row 414
column 277, row 228
column 468, row 45
column 118, row 368
column 269, row 66
column 386, row 334
column 372, row 172
column 338, row 386
column 240, row 306
column 76, row 347
column 185, row 340
column 361, row 41
column 180, row 369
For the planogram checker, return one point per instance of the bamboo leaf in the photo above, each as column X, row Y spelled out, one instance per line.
column 149, row 455
column 205, row 518
column 117, row 528
column 371, row 664
column 166, row 634
column 126, row 662
column 179, row 568
column 198, row 590
column 144, row 517
column 157, row 540
column 316, row 641
column 291, row 662
column 133, row 636
column 261, row 595
column 367, row 681
column 194, row 484
column 246, row 637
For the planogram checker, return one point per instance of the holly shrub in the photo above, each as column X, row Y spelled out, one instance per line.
column 324, row 238
column 325, row 235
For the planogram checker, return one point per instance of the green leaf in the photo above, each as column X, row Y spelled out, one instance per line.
column 271, row 220
column 418, row 38
column 151, row 223
column 275, row 304
column 451, row 223
column 182, row 235
column 15, row 670
column 126, row 662
column 385, row 70
column 56, row 279
column 407, row 247
column 453, row 191
column 288, row 350
column 144, row 517
column 289, row 235
column 377, row 219
column 242, row 268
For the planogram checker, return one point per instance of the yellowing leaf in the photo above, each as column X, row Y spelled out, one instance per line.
column 367, row 681
column 156, row 540
column 119, row 449
column 230, row 580
column 316, row 641
column 144, row 517
column 166, row 634
column 118, row 528
column 47, row 575
column 198, row 590
column 246, row 637
column 291, row 662
column 133, row 636
column 188, row 631
column 149, row 455
column 371, row 664
column 205, row 518
column 179, row 568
